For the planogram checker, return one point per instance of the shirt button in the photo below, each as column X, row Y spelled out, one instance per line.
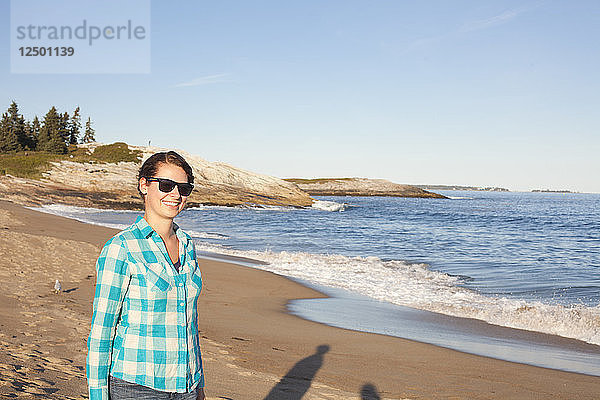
column 182, row 304
column 180, row 284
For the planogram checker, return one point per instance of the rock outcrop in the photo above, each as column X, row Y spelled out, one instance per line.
column 114, row 185
column 360, row 187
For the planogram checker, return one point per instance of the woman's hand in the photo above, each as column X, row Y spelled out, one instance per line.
column 201, row 395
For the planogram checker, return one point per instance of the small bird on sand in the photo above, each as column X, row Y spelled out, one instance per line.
column 57, row 287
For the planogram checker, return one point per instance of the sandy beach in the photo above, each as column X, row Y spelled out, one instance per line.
column 252, row 348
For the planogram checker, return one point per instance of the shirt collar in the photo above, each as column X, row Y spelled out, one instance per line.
column 143, row 226
column 147, row 231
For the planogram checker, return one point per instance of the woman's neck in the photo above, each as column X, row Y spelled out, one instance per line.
column 162, row 226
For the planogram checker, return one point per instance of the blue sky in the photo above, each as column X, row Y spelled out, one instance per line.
column 494, row 93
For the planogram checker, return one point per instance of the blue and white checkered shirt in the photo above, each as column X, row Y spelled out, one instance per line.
column 145, row 323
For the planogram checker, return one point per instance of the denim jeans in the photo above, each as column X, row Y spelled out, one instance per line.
column 123, row 390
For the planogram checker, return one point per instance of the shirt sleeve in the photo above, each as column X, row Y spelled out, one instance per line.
column 112, row 279
column 201, row 383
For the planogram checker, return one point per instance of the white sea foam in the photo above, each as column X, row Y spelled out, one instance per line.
column 244, row 206
column 205, row 235
column 63, row 209
column 416, row 286
column 80, row 214
column 325, row 205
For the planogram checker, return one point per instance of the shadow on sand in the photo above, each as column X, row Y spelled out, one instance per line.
column 369, row 392
column 298, row 379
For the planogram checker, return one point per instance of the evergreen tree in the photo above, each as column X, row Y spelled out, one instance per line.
column 8, row 139
column 89, row 135
column 75, row 127
column 53, row 134
column 34, row 132
column 43, row 138
column 65, row 127
column 52, row 138
column 28, row 139
column 16, row 126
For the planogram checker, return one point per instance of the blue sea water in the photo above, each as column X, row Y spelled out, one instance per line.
column 532, row 246
column 529, row 261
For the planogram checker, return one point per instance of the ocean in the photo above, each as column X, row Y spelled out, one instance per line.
column 509, row 275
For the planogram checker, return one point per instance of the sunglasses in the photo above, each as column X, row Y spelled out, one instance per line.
column 167, row 185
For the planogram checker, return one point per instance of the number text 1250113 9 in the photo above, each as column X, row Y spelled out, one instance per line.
column 46, row 51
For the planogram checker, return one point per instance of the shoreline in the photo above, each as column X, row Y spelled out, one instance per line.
column 467, row 335
column 249, row 258
column 245, row 357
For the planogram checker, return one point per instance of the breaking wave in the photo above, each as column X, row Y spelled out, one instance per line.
column 416, row 286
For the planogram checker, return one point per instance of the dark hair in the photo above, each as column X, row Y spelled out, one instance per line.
column 151, row 165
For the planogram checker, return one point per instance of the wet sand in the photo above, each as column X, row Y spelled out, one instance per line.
column 252, row 348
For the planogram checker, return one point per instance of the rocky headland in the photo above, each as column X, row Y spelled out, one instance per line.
column 113, row 185
column 359, row 187
column 105, row 176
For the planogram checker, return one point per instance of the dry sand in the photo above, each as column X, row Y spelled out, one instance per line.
column 252, row 349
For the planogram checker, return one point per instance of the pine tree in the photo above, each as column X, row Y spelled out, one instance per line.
column 75, row 127
column 16, row 125
column 34, row 132
column 4, row 133
column 89, row 135
column 52, row 138
column 28, row 142
column 8, row 139
column 65, row 127
column 43, row 138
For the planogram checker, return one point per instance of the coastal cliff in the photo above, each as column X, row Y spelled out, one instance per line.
column 360, row 187
column 113, row 184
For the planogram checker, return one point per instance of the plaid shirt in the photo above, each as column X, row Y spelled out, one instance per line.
column 145, row 324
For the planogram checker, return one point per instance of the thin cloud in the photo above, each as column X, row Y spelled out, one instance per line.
column 204, row 80
column 424, row 42
column 496, row 20
column 472, row 26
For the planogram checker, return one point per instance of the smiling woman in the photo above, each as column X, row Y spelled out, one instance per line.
column 144, row 340
column 174, row 183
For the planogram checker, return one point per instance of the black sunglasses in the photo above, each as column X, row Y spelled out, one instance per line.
column 167, row 185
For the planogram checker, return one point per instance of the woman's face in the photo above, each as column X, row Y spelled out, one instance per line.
column 160, row 204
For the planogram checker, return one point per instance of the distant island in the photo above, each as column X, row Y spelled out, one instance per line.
column 551, row 191
column 360, row 187
column 456, row 187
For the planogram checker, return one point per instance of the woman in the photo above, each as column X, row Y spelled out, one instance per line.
column 144, row 340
